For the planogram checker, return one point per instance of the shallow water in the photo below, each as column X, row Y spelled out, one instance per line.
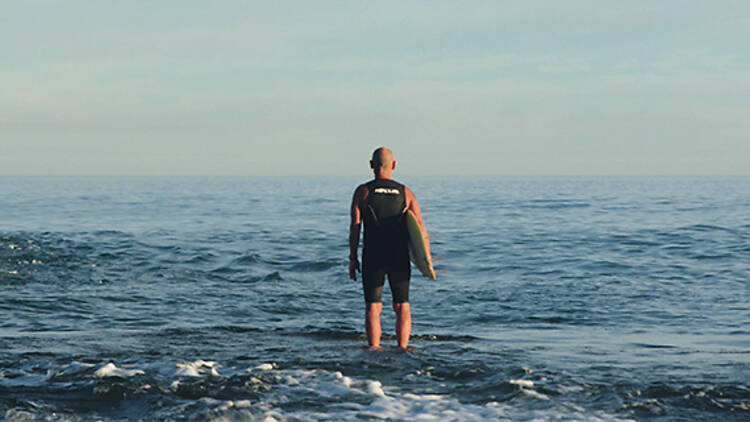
column 228, row 299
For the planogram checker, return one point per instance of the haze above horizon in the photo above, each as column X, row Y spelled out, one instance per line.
column 519, row 88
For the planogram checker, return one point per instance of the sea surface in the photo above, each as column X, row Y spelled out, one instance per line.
column 227, row 299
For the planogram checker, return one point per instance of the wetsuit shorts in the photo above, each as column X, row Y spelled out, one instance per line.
column 373, row 280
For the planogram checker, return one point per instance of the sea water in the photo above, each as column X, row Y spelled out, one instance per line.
column 561, row 299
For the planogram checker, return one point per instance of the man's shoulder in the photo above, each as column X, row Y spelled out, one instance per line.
column 362, row 187
column 361, row 192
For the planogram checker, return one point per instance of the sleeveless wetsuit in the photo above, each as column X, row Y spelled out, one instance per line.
column 386, row 242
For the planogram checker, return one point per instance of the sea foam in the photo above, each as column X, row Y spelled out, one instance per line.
column 197, row 368
column 396, row 404
column 110, row 370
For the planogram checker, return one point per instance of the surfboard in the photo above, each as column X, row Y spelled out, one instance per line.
column 417, row 249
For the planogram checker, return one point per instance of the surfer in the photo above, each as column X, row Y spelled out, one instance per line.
column 381, row 204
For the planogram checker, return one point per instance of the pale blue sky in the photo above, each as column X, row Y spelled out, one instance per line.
column 311, row 87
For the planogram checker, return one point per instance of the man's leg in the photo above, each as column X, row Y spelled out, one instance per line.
column 372, row 284
column 403, row 323
column 372, row 323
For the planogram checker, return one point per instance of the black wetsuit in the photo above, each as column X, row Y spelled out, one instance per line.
column 386, row 247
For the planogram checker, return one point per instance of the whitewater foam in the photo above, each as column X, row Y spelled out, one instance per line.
column 336, row 388
column 265, row 367
column 110, row 370
column 348, row 398
column 535, row 394
column 197, row 368
column 522, row 383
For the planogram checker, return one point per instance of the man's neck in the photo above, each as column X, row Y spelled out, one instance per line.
column 383, row 175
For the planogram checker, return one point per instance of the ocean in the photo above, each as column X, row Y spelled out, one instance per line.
column 228, row 299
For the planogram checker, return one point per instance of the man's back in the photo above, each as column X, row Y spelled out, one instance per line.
column 385, row 238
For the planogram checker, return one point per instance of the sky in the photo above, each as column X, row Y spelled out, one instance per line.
column 297, row 88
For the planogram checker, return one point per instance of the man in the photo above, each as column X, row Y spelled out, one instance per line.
column 381, row 204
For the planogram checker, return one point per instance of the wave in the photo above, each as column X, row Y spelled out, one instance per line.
column 707, row 228
column 317, row 266
column 726, row 402
column 199, row 389
column 204, row 389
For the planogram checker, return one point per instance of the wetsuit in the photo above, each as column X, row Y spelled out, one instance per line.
column 386, row 247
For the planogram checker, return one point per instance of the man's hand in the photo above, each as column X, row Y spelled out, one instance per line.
column 353, row 268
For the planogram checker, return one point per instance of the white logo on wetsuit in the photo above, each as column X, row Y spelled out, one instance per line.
column 387, row 191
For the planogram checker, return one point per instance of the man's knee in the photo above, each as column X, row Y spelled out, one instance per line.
column 373, row 308
column 401, row 308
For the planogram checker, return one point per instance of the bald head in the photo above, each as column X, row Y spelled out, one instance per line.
column 382, row 157
column 382, row 162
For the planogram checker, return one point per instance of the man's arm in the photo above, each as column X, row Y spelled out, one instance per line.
column 354, row 229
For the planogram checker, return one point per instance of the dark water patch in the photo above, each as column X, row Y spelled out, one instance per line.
column 492, row 318
column 705, row 257
column 273, row 277
column 225, row 270
column 238, row 329
column 112, row 234
column 544, row 272
column 633, row 240
column 554, row 320
column 244, row 279
column 478, row 389
column 445, row 338
column 241, row 269
column 201, row 258
column 707, row 228
column 542, row 322
column 483, row 268
column 689, row 402
column 653, row 346
column 50, row 305
column 605, row 265
column 552, row 204
column 335, row 335
column 317, row 266
column 247, row 259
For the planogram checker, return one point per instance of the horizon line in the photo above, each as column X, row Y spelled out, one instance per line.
column 366, row 175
